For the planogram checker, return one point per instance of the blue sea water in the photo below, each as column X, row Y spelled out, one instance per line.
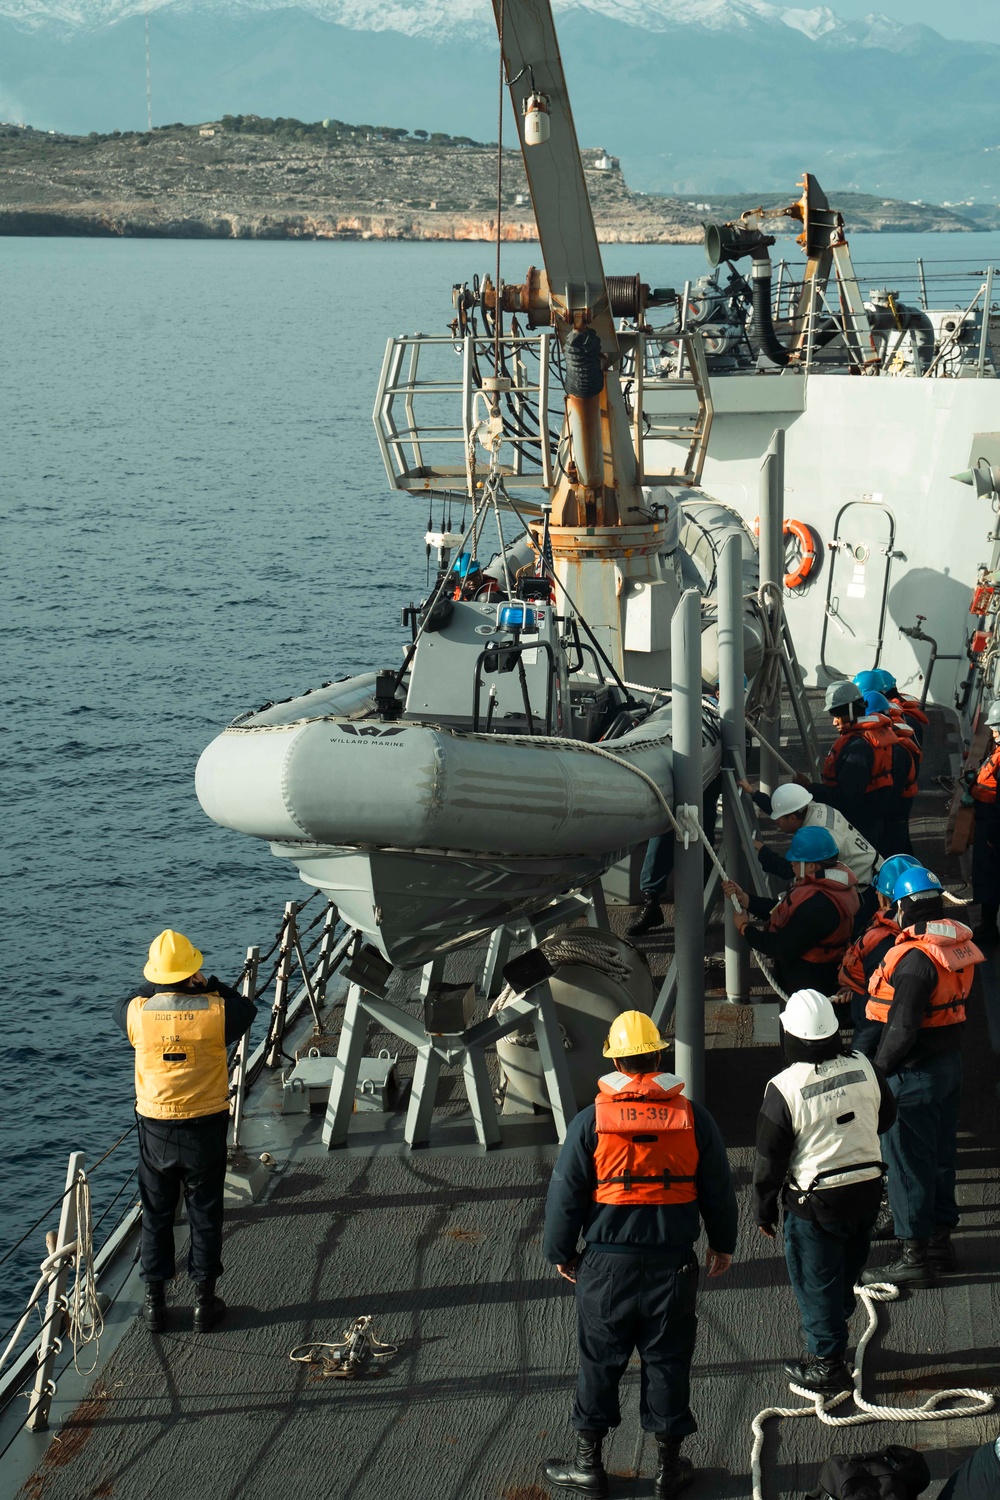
column 196, row 520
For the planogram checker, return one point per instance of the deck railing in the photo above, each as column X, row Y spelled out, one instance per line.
column 308, row 948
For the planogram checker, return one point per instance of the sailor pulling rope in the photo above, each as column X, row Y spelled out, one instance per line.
column 686, row 825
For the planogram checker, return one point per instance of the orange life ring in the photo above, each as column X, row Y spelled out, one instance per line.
column 807, row 561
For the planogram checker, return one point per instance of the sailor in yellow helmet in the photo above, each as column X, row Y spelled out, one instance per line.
column 181, row 1024
column 639, row 1172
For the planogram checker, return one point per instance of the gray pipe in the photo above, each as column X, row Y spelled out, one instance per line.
column 689, row 917
column 772, row 570
column 732, row 709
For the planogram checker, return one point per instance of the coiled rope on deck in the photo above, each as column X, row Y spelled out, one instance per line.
column 581, row 947
column 930, row 1410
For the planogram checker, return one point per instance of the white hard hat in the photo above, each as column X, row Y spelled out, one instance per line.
column 789, row 798
column 809, row 1016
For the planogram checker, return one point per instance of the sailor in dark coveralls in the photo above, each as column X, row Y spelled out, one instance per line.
column 918, row 995
column 639, row 1170
column 809, row 930
column 180, row 1024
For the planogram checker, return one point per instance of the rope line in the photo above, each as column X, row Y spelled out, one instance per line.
column 693, row 827
column 86, row 1320
column 822, row 1406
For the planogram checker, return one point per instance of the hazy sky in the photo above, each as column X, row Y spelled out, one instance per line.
column 976, row 20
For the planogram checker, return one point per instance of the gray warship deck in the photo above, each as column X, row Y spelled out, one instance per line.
column 443, row 1247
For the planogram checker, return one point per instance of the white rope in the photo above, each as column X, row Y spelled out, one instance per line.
column 931, row 1410
column 690, row 826
column 589, row 949
column 86, row 1320
column 83, row 1309
column 47, row 1268
column 770, row 603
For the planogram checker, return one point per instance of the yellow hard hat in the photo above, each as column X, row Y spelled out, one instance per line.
column 172, row 957
column 633, row 1033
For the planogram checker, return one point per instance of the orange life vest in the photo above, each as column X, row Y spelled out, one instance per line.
column 852, row 976
column 840, row 886
column 984, row 788
column 950, row 948
column 909, row 741
column 908, row 707
column 877, row 730
column 646, row 1152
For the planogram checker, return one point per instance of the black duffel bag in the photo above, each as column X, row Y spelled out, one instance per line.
column 893, row 1473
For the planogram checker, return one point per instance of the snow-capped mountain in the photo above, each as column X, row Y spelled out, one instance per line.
column 438, row 18
column 713, row 96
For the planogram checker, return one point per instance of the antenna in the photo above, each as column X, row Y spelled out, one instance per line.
column 149, row 93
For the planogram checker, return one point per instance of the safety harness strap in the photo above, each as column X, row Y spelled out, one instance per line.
column 628, row 1178
column 858, row 1166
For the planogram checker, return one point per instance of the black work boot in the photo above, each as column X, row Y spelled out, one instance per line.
column 913, row 1268
column 885, row 1226
column 154, row 1307
column 941, row 1251
column 673, row 1470
column 208, row 1308
column 585, row 1474
column 651, row 916
column 827, row 1375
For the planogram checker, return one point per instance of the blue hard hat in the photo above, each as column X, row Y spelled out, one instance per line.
column 916, row 882
column 877, row 703
column 885, row 880
column 812, row 846
column 877, row 680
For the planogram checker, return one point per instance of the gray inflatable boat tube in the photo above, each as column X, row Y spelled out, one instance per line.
column 287, row 775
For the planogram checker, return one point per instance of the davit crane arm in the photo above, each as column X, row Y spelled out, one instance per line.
column 598, row 482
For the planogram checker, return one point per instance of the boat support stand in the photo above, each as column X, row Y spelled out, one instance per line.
column 467, row 1048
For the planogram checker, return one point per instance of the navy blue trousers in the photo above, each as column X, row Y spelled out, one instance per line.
column 986, row 854
column 658, row 865
column 921, row 1148
column 867, row 1034
column 176, row 1155
column 824, row 1261
column 978, row 1478
column 636, row 1302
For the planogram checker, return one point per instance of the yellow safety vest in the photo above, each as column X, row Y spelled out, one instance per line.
column 180, row 1054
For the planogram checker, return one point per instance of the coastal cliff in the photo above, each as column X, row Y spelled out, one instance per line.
column 246, row 178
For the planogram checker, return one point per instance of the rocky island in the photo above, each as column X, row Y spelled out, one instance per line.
column 245, row 177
